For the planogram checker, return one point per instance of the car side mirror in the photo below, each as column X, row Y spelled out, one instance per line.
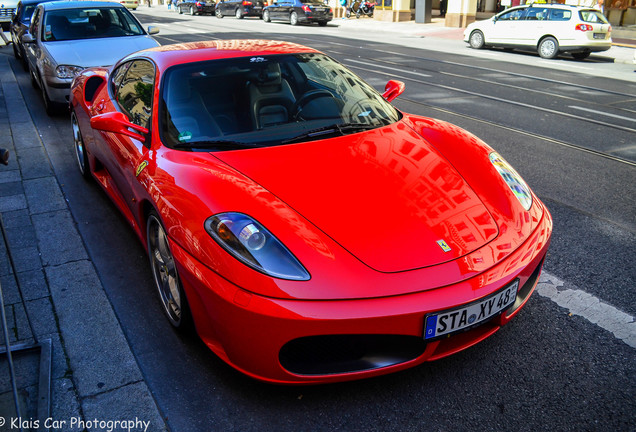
column 117, row 122
column 27, row 38
column 153, row 30
column 393, row 89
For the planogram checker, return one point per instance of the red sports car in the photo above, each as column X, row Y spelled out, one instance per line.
column 309, row 230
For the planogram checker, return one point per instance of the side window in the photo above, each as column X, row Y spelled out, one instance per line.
column 134, row 95
column 118, row 76
column 537, row 14
column 513, row 15
column 560, row 15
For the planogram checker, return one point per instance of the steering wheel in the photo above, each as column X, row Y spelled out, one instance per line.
column 305, row 99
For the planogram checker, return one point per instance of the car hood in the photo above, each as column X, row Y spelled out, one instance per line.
column 387, row 196
column 97, row 52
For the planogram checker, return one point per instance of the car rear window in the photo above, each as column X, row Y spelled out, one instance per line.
column 593, row 16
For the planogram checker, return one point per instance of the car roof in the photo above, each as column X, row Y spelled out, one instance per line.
column 556, row 5
column 31, row 2
column 167, row 55
column 74, row 4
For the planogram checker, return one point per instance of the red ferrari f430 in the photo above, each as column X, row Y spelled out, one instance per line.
column 310, row 231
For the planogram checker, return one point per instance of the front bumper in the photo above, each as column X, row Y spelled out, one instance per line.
column 58, row 89
column 304, row 342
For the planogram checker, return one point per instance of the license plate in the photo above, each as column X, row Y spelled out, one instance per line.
column 454, row 320
column 599, row 35
column 320, row 9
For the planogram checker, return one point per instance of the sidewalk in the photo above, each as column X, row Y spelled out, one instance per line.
column 95, row 379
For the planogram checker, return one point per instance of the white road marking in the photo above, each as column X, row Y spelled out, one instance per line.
column 578, row 302
column 419, row 74
column 603, row 113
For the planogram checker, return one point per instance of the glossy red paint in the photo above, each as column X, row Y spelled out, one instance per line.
column 362, row 213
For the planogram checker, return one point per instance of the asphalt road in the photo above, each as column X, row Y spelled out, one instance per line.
column 572, row 137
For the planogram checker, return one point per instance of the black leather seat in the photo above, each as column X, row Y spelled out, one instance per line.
column 271, row 97
column 188, row 113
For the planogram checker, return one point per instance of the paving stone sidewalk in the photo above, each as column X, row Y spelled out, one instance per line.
column 95, row 379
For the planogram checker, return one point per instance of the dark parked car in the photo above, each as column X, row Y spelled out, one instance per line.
column 298, row 11
column 20, row 25
column 194, row 7
column 240, row 8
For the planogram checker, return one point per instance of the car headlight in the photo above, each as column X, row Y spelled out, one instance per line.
column 514, row 181
column 252, row 244
column 66, row 71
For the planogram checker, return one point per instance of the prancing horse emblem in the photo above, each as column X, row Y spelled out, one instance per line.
column 141, row 167
column 445, row 247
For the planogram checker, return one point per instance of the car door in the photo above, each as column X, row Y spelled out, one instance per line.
column 229, row 7
column 534, row 25
column 285, row 8
column 126, row 155
column 504, row 29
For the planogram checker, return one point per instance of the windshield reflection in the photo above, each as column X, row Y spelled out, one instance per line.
column 266, row 100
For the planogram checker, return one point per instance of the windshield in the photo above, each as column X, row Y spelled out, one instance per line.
column 263, row 101
column 89, row 23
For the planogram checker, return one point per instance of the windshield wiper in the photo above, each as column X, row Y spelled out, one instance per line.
column 338, row 128
column 221, row 144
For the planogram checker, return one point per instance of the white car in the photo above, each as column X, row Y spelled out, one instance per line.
column 549, row 29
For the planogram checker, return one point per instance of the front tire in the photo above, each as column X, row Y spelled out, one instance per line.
column 266, row 17
column 548, row 48
column 218, row 13
column 476, row 40
column 180, row 10
column 293, row 18
column 191, row 10
column 80, row 148
column 238, row 14
column 165, row 275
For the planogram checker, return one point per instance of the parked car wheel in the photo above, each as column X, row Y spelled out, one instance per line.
column 218, row 13
column 477, row 40
column 548, row 48
column 192, row 10
column 180, row 10
column 164, row 272
column 23, row 60
column 266, row 17
column 49, row 106
column 34, row 81
column 16, row 54
column 238, row 14
column 80, row 147
column 293, row 18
